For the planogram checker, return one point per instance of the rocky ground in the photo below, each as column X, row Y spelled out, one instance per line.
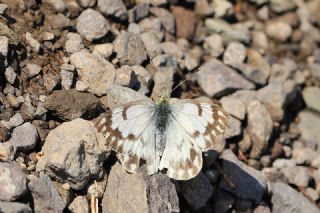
column 65, row 62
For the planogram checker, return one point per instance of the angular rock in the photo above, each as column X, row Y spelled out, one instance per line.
column 248, row 182
column 216, row 79
column 67, row 79
column 33, row 70
column 130, row 49
column 7, row 151
column 311, row 96
column 10, row 75
column 115, row 8
column 16, row 120
column 73, row 43
column 197, row 191
column 282, row 163
column 185, row 22
column 51, row 81
column 92, row 25
column 297, row 175
column 234, row 128
column 286, row 199
column 79, row 205
column 13, row 182
column 138, row 12
column 147, row 193
column 234, row 107
column 214, row 45
column 104, row 50
column 235, row 54
column 152, row 25
column 96, row 74
column 283, row 71
column 304, row 155
column 259, row 127
column 260, row 64
column 151, row 44
column 4, row 43
column 14, row 207
column 34, row 44
column 73, row 153
column 45, row 197
column 71, row 104
column 24, row 137
column 166, row 18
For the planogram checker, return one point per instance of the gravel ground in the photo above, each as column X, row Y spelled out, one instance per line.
column 65, row 62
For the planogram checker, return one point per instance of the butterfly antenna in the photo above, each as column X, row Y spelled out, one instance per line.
column 187, row 78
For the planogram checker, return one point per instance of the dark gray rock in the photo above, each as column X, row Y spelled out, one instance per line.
column 217, row 79
column 71, row 104
column 248, row 183
column 223, row 201
column 138, row 12
column 197, row 191
column 286, row 199
column 45, row 197
column 12, row 182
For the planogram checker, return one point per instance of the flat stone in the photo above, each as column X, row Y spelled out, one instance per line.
column 216, row 79
column 147, row 193
column 311, row 96
column 259, row 127
column 24, row 137
column 235, row 54
column 308, row 125
column 233, row 106
column 115, row 8
column 130, row 49
column 96, row 74
column 14, row 207
column 13, row 182
column 45, row 197
column 71, row 104
column 286, row 199
column 249, row 183
column 278, row 30
column 92, row 25
column 214, row 45
column 72, row 153
column 197, row 191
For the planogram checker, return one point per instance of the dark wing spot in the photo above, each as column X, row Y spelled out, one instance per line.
column 124, row 113
column 193, row 154
column 199, row 109
column 196, row 134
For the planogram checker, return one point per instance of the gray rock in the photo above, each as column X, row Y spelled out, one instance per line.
column 103, row 50
column 248, row 182
column 246, row 143
column 278, row 30
column 262, row 67
column 7, row 151
column 234, row 128
column 197, row 191
column 281, row 6
column 252, row 73
column 235, row 54
column 33, row 70
column 311, row 193
column 72, row 153
column 16, row 120
column 223, row 201
column 166, row 18
column 151, row 44
column 96, row 74
column 58, row 5
column 259, row 127
column 282, row 163
column 114, row 8
column 213, row 44
column 86, row 3
column 147, row 193
column 73, row 43
column 67, row 79
column 59, row 21
column 24, row 137
column 308, row 125
column 304, row 155
column 79, row 205
column 45, row 197
column 228, row 32
column 286, row 199
column 10, row 75
column 311, row 96
column 192, row 58
column 92, row 25
column 260, row 40
column 13, row 207
column 34, row 44
column 152, row 25
column 125, row 76
column 27, row 110
column 234, row 107
column 144, row 78
column 216, row 79
column 4, row 43
column 130, row 49
column 51, row 81
column 172, row 49
column 221, row 8
column 12, row 182
column 138, row 12
column 297, row 175
column 71, row 104
column 283, row 71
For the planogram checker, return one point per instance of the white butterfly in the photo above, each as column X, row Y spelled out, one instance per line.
column 169, row 134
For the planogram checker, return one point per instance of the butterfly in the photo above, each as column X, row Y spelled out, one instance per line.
column 169, row 134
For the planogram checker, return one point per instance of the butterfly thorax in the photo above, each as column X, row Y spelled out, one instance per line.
column 162, row 114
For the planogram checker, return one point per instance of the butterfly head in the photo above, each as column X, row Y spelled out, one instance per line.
column 164, row 98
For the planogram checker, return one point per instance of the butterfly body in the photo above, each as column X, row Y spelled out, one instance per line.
column 169, row 135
